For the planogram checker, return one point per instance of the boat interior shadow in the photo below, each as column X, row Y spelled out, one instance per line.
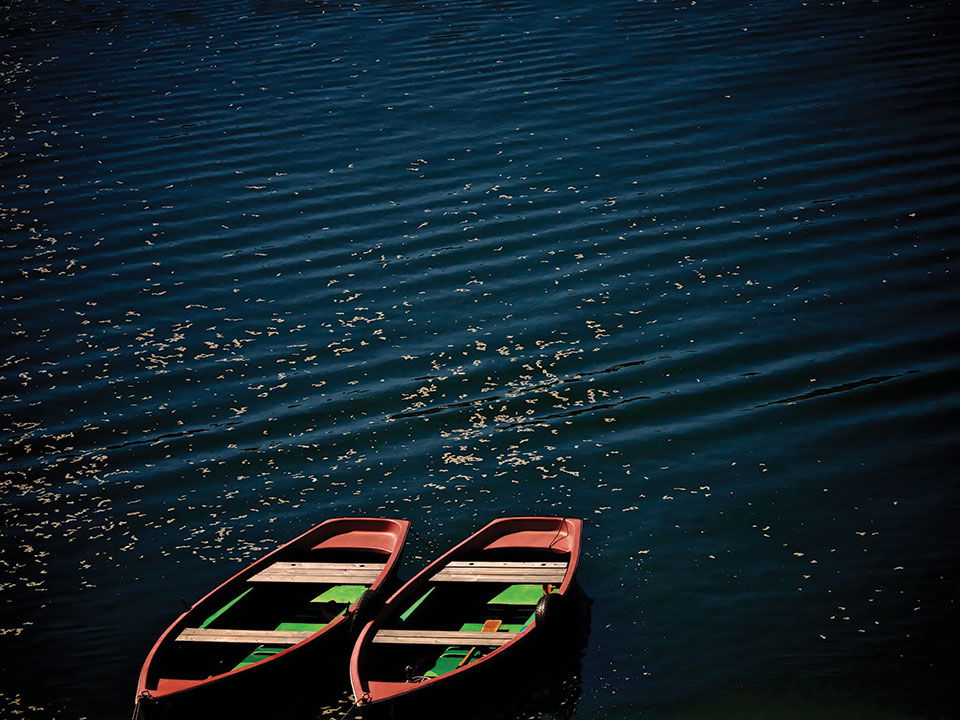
column 544, row 682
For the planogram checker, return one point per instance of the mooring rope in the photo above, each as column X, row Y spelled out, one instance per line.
column 353, row 708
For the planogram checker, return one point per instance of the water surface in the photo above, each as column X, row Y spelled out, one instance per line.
column 684, row 270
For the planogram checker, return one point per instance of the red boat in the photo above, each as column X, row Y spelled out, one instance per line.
column 290, row 612
column 473, row 608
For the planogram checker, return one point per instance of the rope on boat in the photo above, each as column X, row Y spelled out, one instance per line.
column 559, row 530
column 350, row 712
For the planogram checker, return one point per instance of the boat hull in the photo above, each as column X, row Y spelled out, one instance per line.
column 499, row 556
column 311, row 664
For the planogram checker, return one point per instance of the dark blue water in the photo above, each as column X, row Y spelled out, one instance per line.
column 687, row 270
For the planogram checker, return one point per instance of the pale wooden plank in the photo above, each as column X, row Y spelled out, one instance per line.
column 330, row 565
column 354, row 578
column 306, row 572
column 507, row 570
column 529, row 574
column 443, row 637
column 518, row 565
column 510, row 579
column 255, row 637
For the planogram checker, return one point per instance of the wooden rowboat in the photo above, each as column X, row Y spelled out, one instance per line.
column 299, row 606
column 483, row 601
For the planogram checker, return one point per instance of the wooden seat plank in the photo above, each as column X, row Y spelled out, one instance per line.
column 517, row 565
column 316, row 572
column 526, row 578
column 253, row 637
column 443, row 637
column 534, row 573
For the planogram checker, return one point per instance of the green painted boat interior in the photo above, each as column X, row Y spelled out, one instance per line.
column 264, row 606
column 453, row 656
column 210, row 620
column 513, row 596
column 261, row 653
column 519, row 595
column 301, row 626
column 450, row 660
column 348, row 594
column 456, row 606
column 344, row 595
column 410, row 610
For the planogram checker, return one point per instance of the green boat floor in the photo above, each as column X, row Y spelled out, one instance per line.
column 514, row 627
column 519, row 595
column 261, row 653
column 514, row 595
column 452, row 656
column 344, row 595
column 409, row 611
column 300, row 626
column 348, row 594
column 221, row 611
column 264, row 651
column 449, row 661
